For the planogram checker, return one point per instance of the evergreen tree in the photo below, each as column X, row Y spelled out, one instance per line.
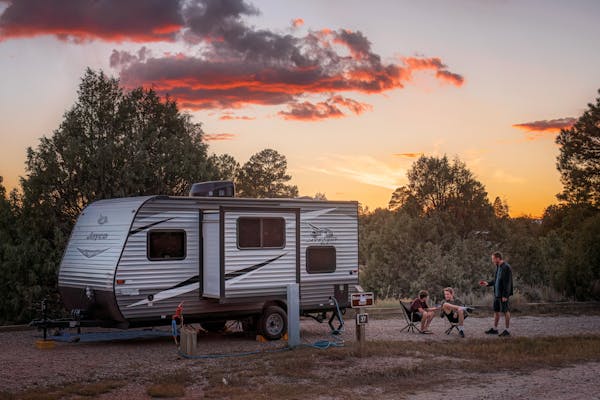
column 579, row 158
column 265, row 176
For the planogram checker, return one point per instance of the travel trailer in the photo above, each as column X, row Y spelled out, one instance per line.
column 131, row 261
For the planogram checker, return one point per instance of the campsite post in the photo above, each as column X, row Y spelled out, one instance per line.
column 293, row 300
column 360, row 301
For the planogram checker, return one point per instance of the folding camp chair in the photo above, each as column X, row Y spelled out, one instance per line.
column 411, row 319
column 453, row 319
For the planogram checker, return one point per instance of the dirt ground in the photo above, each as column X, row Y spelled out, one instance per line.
column 23, row 367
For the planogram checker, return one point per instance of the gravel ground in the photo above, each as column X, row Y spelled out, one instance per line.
column 22, row 366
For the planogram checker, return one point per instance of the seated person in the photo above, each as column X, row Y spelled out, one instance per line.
column 425, row 313
column 454, row 310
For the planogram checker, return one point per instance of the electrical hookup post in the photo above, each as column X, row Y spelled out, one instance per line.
column 293, row 314
column 360, row 301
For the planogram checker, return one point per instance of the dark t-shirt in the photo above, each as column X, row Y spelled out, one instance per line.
column 416, row 304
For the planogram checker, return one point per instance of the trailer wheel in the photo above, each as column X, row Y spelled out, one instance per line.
column 214, row 326
column 273, row 323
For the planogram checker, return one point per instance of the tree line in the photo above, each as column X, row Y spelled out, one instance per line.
column 438, row 230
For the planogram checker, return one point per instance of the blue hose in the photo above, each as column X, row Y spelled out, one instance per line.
column 229, row 355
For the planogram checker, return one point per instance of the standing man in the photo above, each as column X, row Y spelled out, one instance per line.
column 503, row 289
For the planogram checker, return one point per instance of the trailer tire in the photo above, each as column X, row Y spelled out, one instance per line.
column 273, row 323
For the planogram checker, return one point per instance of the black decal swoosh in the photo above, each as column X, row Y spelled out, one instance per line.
column 143, row 228
column 193, row 279
column 240, row 272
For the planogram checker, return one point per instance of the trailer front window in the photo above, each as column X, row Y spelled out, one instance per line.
column 320, row 259
column 165, row 245
column 260, row 233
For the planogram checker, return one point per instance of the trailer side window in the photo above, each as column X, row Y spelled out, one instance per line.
column 320, row 259
column 257, row 233
column 166, row 245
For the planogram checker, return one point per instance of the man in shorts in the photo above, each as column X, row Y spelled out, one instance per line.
column 419, row 306
column 503, row 289
column 454, row 310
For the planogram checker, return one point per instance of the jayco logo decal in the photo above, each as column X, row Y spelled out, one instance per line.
column 321, row 235
column 91, row 253
column 97, row 236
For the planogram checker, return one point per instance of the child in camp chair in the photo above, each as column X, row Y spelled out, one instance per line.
column 454, row 310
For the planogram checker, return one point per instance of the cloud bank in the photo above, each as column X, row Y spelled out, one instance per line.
column 229, row 64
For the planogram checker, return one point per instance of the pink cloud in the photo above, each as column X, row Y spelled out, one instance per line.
column 547, row 125
column 212, row 137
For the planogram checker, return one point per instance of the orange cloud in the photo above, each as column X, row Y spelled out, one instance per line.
column 450, row 77
column 415, row 63
column 307, row 111
column 408, row 155
column 231, row 117
column 435, row 64
column 353, row 105
column 82, row 21
column 211, row 137
column 297, row 22
column 547, row 126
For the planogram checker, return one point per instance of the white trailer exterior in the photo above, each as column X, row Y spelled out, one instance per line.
column 131, row 261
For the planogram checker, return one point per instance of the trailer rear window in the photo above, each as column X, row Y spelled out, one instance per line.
column 166, row 245
column 320, row 259
column 260, row 233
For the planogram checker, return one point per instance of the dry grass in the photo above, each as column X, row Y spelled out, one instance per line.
column 91, row 389
column 386, row 367
column 310, row 373
column 165, row 390
column 170, row 385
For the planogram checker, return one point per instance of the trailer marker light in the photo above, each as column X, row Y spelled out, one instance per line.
column 120, row 281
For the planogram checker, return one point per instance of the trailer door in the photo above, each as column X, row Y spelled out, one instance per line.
column 260, row 252
column 210, row 265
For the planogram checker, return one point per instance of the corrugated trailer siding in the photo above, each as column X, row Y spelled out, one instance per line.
column 152, row 277
column 341, row 220
column 269, row 280
column 102, row 226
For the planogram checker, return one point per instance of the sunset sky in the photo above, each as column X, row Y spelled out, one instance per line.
column 351, row 92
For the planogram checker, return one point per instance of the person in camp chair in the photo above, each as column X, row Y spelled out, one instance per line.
column 454, row 310
column 419, row 307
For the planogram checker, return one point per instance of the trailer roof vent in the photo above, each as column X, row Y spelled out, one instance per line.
column 213, row 189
